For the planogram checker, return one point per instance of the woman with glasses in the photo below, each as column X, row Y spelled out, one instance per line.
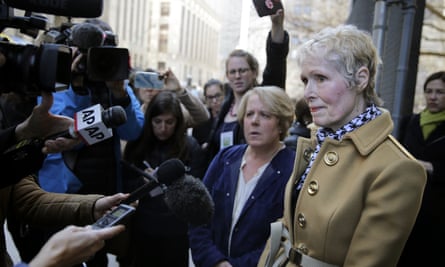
column 213, row 96
column 242, row 70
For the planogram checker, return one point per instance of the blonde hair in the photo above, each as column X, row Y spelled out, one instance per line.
column 276, row 101
column 348, row 49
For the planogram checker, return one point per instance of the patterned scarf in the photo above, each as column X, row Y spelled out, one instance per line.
column 369, row 114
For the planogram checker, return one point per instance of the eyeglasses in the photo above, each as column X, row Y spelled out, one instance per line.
column 213, row 97
column 240, row 71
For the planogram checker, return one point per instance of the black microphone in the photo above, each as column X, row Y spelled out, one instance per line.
column 189, row 200
column 185, row 196
column 92, row 124
column 67, row 8
column 169, row 171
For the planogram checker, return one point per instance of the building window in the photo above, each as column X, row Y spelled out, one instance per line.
column 165, row 9
column 162, row 66
column 163, row 43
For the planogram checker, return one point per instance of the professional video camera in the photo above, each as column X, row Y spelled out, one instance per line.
column 99, row 57
column 30, row 69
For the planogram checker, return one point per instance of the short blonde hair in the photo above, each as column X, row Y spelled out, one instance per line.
column 278, row 103
column 348, row 49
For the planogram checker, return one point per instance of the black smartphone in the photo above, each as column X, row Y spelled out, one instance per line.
column 114, row 217
column 267, row 7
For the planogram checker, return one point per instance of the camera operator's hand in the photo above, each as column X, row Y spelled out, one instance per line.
column 277, row 31
column 172, row 83
column 105, row 204
column 73, row 245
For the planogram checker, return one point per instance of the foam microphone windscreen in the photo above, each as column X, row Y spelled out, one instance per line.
column 86, row 35
column 189, row 200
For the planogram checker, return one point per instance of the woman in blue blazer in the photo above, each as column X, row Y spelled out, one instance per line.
column 247, row 183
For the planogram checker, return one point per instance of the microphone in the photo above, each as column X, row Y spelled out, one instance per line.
column 189, row 200
column 93, row 124
column 185, row 195
column 165, row 174
column 86, row 35
column 67, row 8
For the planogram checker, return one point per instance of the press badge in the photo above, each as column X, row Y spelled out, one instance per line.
column 226, row 139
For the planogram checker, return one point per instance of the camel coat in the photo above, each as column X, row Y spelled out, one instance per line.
column 360, row 200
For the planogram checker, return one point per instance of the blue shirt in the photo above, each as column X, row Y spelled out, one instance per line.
column 55, row 176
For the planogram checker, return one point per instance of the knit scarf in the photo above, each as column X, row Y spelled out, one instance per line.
column 369, row 114
column 429, row 121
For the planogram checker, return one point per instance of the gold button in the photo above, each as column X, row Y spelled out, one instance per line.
column 301, row 220
column 330, row 158
column 312, row 188
column 302, row 248
column 307, row 154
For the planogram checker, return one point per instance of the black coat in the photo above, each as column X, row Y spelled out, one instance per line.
column 426, row 244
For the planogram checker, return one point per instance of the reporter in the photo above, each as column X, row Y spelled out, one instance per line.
column 28, row 202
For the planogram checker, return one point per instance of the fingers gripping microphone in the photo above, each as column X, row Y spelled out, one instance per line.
column 93, row 124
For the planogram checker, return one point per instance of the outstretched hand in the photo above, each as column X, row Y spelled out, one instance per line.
column 73, row 245
column 41, row 123
column 171, row 82
column 277, row 31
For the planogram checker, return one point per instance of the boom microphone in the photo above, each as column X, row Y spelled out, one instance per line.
column 67, row 8
column 93, row 124
column 189, row 200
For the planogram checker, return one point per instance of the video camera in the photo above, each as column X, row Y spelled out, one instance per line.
column 30, row 69
column 99, row 57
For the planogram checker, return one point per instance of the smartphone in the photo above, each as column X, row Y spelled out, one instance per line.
column 267, row 7
column 150, row 80
column 114, row 217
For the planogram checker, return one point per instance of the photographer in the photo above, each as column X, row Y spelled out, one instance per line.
column 91, row 169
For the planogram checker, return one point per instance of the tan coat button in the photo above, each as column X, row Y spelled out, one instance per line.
column 301, row 220
column 330, row 158
column 302, row 248
column 307, row 154
column 312, row 188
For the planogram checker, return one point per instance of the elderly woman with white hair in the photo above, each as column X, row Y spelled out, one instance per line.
column 355, row 192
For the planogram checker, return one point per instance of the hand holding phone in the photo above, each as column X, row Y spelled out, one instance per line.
column 114, row 217
column 148, row 80
column 267, row 7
